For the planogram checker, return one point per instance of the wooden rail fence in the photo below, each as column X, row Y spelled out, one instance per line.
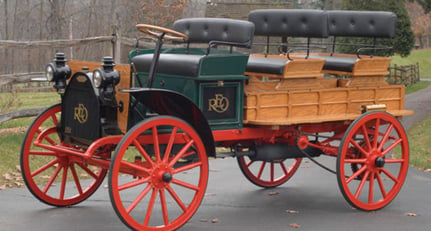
column 406, row 75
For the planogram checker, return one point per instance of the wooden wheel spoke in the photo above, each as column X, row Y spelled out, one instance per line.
column 385, row 137
column 283, row 167
column 87, row 170
column 371, row 188
column 164, row 207
column 138, row 199
column 356, row 174
column 176, row 198
column 51, row 180
column 381, row 185
column 54, row 119
column 392, row 177
column 359, row 147
column 156, row 144
column 249, row 163
column 133, row 183
column 394, row 161
column 63, row 182
column 181, row 153
column 45, row 167
column 170, row 144
column 366, row 137
column 272, row 172
column 143, row 152
column 185, row 184
column 187, row 167
column 361, row 185
column 262, row 167
column 355, row 161
column 150, row 207
column 392, row 146
column 376, row 133
column 50, row 141
column 76, row 179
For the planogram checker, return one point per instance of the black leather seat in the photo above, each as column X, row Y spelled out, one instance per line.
column 212, row 31
column 336, row 63
column 265, row 65
column 171, row 64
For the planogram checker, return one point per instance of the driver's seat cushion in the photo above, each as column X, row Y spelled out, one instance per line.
column 170, row 64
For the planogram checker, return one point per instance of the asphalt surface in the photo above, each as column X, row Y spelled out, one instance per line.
column 239, row 205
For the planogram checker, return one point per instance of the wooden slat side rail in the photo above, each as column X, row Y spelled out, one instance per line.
column 319, row 105
column 124, row 70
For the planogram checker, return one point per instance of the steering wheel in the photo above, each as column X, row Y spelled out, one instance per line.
column 157, row 31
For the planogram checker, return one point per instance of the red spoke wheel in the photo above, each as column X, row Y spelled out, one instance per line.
column 52, row 177
column 377, row 145
column 268, row 174
column 158, row 175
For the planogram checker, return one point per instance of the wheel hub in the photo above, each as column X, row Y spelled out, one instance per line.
column 161, row 176
column 379, row 162
column 167, row 177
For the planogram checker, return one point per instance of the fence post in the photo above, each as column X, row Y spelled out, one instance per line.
column 116, row 44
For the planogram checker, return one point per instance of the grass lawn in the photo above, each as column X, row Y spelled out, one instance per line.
column 417, row 56
column 420, row 144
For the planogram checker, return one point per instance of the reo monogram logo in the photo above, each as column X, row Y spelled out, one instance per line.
column 80, row 113
column 218, row 104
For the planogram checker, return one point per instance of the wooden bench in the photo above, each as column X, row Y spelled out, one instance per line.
column 302, row 96
column 291, row 73
column 361, row 24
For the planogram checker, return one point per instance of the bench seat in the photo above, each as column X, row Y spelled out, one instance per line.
column 336, row 63
column 171, row 64
column 266, row 65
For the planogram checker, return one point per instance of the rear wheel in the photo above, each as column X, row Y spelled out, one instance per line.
column 268, row 174
column 158, row 175
column 376, row 144
column 55, row 178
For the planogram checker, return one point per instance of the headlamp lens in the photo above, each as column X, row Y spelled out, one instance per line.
column 49, row 72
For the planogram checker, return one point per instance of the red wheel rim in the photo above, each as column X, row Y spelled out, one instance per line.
column 376, row 135
column 55, row 178
column 268, row 174
column 158, row 175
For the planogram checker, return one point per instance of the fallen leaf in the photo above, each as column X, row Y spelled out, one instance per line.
column 215, row 220
column 7, row 176
column 427, row 170
column 105, row 186
column 294, row 225
column 18, row 167
column 273, row 193
column 292, row 211
column 2, row 187
column 19, row 184
column 411, row 214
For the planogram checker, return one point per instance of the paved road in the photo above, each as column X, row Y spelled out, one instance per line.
column 239, row 205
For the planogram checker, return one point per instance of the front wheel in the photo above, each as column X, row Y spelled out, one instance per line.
column 377, row 145
column 53, row 177
column 158, row 174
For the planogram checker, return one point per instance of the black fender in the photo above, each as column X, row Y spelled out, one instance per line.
column 166, row 102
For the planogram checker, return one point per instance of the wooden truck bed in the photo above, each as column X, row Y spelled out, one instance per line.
column 319, row 105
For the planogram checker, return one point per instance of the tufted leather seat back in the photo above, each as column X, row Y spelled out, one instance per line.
column 218, row 30
column 290, row 23
column 376, row 24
